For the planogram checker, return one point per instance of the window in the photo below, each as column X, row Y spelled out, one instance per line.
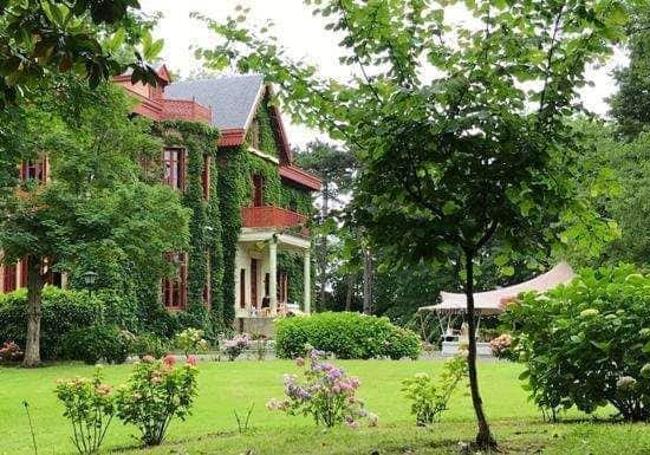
column 33, row 170
column 174, row 168
column 283, row 286
column 242, row 288
column 175, row 289
column 9, row 282
column 258, row 191
column 205, row 177
column 255, row 133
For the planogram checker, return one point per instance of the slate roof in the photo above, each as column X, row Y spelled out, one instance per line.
column 231, row 98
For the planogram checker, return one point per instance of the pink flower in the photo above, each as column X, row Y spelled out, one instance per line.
column 169, row 360
column 192, row 360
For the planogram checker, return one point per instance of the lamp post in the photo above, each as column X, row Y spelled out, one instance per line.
column 90, row 278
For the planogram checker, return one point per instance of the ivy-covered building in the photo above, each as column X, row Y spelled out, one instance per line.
column 227, row 151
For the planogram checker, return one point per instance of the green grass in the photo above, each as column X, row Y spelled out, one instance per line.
column 225, row 387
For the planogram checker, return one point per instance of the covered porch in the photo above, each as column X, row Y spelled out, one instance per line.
column 261, row 289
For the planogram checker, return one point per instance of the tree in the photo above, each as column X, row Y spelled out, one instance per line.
column 96, row 201
column 461, row 131
column 630, row 106
column 336, row 169
column 43, row 36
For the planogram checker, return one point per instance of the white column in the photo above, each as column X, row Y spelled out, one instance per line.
column 273, row 276
column 307, row 290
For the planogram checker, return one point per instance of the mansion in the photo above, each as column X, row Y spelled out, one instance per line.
column 268, row 270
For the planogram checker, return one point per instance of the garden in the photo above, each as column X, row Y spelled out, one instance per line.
column 460, row 152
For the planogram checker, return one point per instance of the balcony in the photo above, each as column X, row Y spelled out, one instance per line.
column 174, row 109
column 273, row 217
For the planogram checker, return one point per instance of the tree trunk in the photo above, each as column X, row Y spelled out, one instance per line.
column 367, row 281
column 35, row 285
column 349, row 292
column 484, row 439
column 322, row 250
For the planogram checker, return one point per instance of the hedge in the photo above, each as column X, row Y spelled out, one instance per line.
column 62, row 311
column 346, row 335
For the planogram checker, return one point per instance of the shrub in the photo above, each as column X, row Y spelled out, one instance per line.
column 148, row 344
column 190, row 341
column 62, row 311
column 89, row 407
column 235, row 346
column 346, row 335
column 98, row 343
column 588, row 344
column 430, row 400
column 504, row 347
column 155, row 394
column 10, row 352
column 327, row 394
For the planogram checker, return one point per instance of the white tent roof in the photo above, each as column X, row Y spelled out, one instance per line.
column 494, row 302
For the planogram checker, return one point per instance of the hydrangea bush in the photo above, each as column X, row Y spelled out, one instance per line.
column 90, row 408
column 503, row 347
column 326, row 393
column 430, row 399
column 155, row 394
column 191, row 341
column 235, row 346
column 10, row 352
column 587, row 344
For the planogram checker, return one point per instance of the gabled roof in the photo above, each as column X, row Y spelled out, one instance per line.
column 233, row 99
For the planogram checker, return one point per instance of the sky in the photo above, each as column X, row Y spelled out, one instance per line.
column 304, row 38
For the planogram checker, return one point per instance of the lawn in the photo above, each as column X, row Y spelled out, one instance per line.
column 225, row 387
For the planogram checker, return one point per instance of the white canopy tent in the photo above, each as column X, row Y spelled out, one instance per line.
column 490, row 303
column 494, row 302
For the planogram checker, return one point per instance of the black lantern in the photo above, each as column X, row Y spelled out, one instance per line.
column 90, row 278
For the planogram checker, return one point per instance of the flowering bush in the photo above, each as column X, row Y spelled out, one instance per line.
column 234, row 347
column 587, row 344
column 190, row 341
column 503, row 347
column 156, row 393
column 10, row 352
column 327, row 394
column 90, row 408
column 429, row 399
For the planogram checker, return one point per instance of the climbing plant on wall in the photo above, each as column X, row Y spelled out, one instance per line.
column 205, row 258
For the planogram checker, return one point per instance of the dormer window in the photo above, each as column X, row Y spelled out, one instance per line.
column 255, row 133
column 174, row 168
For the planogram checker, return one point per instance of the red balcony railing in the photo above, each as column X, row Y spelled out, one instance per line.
column 272, row 217
column 185, row 110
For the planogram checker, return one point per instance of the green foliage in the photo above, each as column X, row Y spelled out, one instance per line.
column 154, row 395
column 48, row 36
column 89, row 406
column 97, row 343
column 148, row 344
column 205, row 249
column 631, row 104
column 428, row 399
column 190, row 341
column 232, row 186
column 62, row 311
column 346, row 335
column 267, row 137
column 588, row 344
